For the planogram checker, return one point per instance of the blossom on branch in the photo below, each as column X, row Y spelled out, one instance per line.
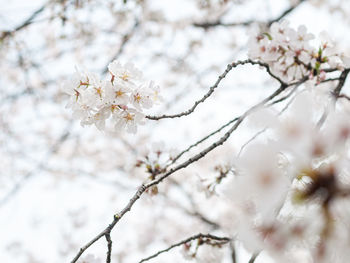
column 290, row 189
column 290, row 54
column 119, row 101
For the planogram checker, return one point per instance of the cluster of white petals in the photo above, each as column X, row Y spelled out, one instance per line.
column 119, row 100
column 155, row 158
column 290, row 54
column 292, row 190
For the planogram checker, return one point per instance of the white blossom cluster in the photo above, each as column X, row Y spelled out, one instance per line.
column 290, row 54
column 119, row 100
column 292, row 192
column 156, row 158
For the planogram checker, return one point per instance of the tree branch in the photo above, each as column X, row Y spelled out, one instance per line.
column 24, row 24
column 125, row 40
column 222, row 240
column 343, row 96
column 285, row 13
column 54, row 148
column 253, row 257
column 207, row 25
column 216, row 84
column 341, row 82
column 183, row 165
column 109, row 247
column 233, row 252
column 203, row 139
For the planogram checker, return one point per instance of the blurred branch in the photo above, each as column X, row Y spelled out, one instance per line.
column 285, row 13
column 194, row 210
column 233, row 252
column 207, row 25
column 24, row 24
column 125, row 40
column 55, row 147
column 253, row 257
column 202, row 237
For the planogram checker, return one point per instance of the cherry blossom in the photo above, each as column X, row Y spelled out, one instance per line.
column 119, row 101
column 290, row 54
column 295, row 204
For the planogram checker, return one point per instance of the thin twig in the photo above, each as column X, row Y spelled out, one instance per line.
column 284, row 97
column 195, row 237
column 24, row 24
column 285, row 13
column 207, row 25
column 216, row 84
column 125, row 40
column 296, row 85
column 343, row 96
column 202, row 140
column 194, row 211
column 250, row 140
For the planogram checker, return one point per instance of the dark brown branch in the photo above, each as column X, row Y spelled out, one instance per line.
column 216, row 84
column 343, row 96
column 109, row 247
column 207, row 95
column 116, row 219
column 341, row 82
column 81, row 251
column 222, row 240
column 328, row 80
